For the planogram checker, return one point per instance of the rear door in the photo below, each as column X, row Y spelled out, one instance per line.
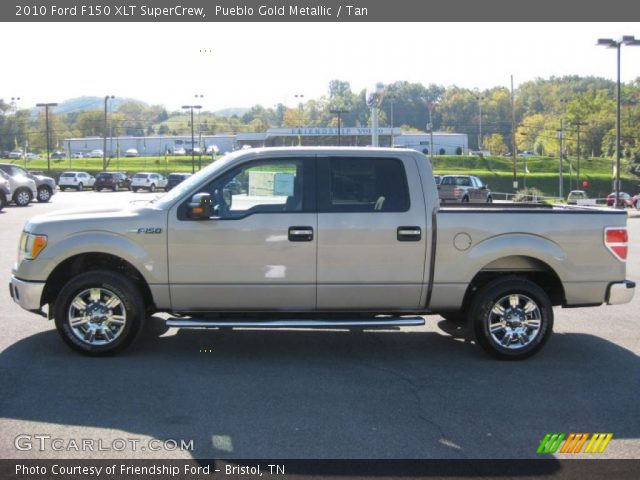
column 371, row 234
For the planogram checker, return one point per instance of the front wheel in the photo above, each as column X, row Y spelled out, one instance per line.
column 99, row 313
column 512, row 318
column 152, row 188
column 80, row 187
column 3, row 200
column 489, row 199
column 22, row 197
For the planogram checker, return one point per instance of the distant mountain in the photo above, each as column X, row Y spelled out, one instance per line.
column 80, row 104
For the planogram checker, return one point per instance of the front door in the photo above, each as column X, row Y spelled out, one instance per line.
column 258, row 251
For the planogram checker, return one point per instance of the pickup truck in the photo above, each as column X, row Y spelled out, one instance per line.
column 463, row 189
column 318, row 237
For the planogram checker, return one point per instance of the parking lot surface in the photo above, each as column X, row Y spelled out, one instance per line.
column 408, row 393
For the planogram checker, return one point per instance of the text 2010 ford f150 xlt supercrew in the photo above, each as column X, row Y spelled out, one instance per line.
column 318, row 237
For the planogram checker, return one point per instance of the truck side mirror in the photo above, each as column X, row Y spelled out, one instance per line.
column 200, row 206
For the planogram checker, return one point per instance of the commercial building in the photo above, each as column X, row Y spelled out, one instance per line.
column 444, row 143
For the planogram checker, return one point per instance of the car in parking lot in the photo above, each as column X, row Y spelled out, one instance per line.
column 22, row 184
column 46, row 186
column 624, row 200
column 175, row 178
column 575, row 195
column 635, row 201
column 148, row 181
column 5, row 189
column 75, row 180
column 112, row 181
column 77, row 155
column 16, row 154
column 179, row 151
column 131, row 152
column 463, row 189
column 58, row 155
column 97, row 153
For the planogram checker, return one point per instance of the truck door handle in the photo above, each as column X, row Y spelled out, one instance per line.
column 300, row 234
column 409, row 234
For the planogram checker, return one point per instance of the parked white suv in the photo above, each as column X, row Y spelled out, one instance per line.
column 148, row 181
column 76, row 180
column 96, row 154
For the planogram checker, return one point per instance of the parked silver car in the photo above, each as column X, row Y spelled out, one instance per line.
column 5, row 189
column 23, row 185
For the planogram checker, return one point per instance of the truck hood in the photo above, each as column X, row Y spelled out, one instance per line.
column 74, row 220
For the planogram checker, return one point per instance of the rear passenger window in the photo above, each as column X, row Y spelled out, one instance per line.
column 367, row 185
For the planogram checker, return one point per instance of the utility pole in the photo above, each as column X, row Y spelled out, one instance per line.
column 339, row 112
column 46, row 119
column 560, row 137
column 578, row 125
column 104, row 132
column 514, row 150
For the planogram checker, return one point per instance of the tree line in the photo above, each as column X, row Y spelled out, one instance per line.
column 584, row 108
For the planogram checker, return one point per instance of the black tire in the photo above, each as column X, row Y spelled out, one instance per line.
column 115, row 187
column 3, row 200
column 131, row 306
column 465, row 199
column 489, row 199
column 44, row 194
column 498, row 294
column 22, row 197
column 62, row 189
column 152, row 187
column 134, row 189
column 80, row 187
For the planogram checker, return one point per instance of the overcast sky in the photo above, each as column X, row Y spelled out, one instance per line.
column 242, row 64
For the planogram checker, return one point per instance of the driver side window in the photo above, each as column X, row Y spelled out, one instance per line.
column 258, row 187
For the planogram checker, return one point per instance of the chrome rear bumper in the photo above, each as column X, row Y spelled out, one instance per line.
column 620, row 292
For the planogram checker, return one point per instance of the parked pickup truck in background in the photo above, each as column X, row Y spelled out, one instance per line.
column 318, row 237
column 463, row 189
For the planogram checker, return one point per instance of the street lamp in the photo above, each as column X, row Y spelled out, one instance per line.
column 628, row 40
column 193, row 155
column 392, row 99
column 432, row 105
column 578, row 125
column 196, row 96
column 104, row 144
column 46, row 119
column 339, row 112
column 479, row 98
column 299, row 96
column 373, row 97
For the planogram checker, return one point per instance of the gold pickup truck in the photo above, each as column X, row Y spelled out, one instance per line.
column 318, row 238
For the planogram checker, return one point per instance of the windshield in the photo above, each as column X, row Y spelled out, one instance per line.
column 66, row 175
column 196, row 179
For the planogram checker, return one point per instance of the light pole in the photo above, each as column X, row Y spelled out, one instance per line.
column 46, row 119
column 628, row 40
column 193, row 155
column 104, row 132
column 197, row 96
column 299, row 96
column 479, row 98
column 339, row 112
column 431, row 107
column 560, row 133
column 578, row 125
column 392, row 99
column 373, row 97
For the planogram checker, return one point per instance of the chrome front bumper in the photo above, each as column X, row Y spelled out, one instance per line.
column 620, row 292
column 26, row 294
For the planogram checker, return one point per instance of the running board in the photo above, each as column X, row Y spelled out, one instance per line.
column 364, row 323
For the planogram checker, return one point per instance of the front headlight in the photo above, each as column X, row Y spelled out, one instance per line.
column 31, row 245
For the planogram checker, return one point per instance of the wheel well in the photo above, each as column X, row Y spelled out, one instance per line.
column 85, row 262
column 526, row 267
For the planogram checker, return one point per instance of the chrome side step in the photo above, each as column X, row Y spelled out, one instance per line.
column 364, row 323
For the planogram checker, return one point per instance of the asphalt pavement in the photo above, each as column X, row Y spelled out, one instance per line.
column 410, row 393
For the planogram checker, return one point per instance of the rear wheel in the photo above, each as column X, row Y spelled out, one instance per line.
column 80, row 187
column 3, row 200
column 44, row 194
column 465, row 199
column 512, row 318
column 22, row 197
column 489, row 199
column 152, row 187
column 99, row 313
column 134, row 189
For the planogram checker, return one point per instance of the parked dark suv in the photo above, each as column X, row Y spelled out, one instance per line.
column 176, row 178
column 112, row 181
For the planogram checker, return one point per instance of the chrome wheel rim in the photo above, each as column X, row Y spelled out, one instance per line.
column 514, row 321
column 44, row 194
column 97, row 316
column 22, row 198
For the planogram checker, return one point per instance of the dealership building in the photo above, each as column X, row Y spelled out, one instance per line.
column 444, row 143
